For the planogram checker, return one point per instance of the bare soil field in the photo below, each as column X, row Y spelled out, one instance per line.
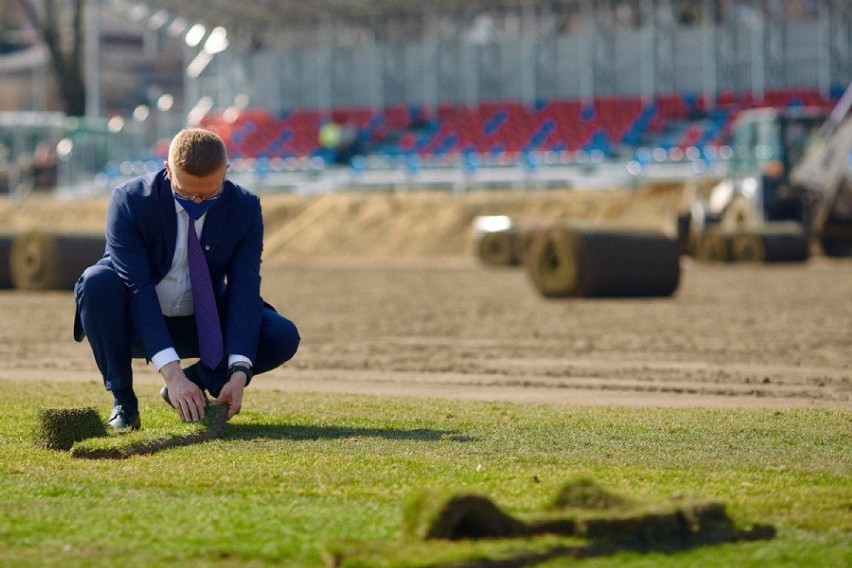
column 417, row 315
column 770, row 336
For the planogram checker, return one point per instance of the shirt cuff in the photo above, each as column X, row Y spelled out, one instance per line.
column 164, row 357
column 238, row 359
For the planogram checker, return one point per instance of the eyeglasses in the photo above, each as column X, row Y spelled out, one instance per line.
column 194, row 197
column 189, row 197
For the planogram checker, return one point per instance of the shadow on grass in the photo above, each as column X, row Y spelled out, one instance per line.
column 146, row 442
column 310, row 432
column 600, row 549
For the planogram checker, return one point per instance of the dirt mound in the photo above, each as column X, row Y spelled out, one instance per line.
column 438, row 224
column 377, row 225
column 45, row 212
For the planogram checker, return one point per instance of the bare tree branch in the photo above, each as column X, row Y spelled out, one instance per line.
column 67, row 66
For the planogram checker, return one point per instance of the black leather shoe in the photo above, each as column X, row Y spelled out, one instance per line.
column 121, row 420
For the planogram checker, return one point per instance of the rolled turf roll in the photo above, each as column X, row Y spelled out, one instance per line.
column 505, row 248
column 497, row 248
column 6, row 240
column 60, row 428
column 773, row 242
column 42, row 260
column 504, row 241
column 598, row 261
column 713, row 246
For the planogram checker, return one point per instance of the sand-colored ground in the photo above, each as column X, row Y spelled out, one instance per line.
column 384, row 225
column 390, row 300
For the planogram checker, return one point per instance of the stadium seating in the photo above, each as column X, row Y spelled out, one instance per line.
column 503, row 127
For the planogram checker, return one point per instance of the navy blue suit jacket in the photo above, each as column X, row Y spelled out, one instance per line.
column 141, row 232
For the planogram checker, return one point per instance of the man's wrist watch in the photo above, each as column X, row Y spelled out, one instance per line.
column 240, row 368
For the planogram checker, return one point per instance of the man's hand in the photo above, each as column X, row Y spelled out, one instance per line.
column 184, row 395
column 232, row 393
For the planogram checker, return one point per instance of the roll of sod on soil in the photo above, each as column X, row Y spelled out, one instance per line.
column 504, row 241
column 569, row 261
column 61, row 428
column 497, row 248
column 42, row 260
column 6, row 240
column 773, row 242
column 504, row 248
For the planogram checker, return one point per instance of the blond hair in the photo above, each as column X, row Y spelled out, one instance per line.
column 197, row 151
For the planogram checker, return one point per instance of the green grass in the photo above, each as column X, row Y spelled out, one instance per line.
column 296, row 475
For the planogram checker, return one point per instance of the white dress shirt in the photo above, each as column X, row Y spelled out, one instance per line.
column 175, row 291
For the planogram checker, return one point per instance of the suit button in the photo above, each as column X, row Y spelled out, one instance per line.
column 206, row 247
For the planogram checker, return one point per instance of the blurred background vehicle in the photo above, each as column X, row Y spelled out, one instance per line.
column 788, row 165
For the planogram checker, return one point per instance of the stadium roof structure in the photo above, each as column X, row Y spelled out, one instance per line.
column 262, row 18
column 302, row 12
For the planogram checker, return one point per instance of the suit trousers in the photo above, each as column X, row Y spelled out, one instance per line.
column 102, row 307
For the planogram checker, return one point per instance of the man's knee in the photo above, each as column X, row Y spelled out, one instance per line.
column 101, row 301
column 283, row 339
column 100, row 288
column 101, row 282
column 288, row 339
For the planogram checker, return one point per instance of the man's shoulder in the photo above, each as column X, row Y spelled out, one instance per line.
column 242, row 195
column 240, row 191
column 140, row 186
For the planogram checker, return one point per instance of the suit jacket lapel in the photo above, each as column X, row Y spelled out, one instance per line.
column 168, row 217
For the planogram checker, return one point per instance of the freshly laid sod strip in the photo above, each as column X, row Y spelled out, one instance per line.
column 602, row 526
column 83, row 432
column 475, row 516
column 149, row 441
column 304, row 480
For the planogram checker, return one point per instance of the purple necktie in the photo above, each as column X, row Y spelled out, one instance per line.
column 210, row 345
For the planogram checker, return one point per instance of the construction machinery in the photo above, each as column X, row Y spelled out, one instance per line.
column 789, row 182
